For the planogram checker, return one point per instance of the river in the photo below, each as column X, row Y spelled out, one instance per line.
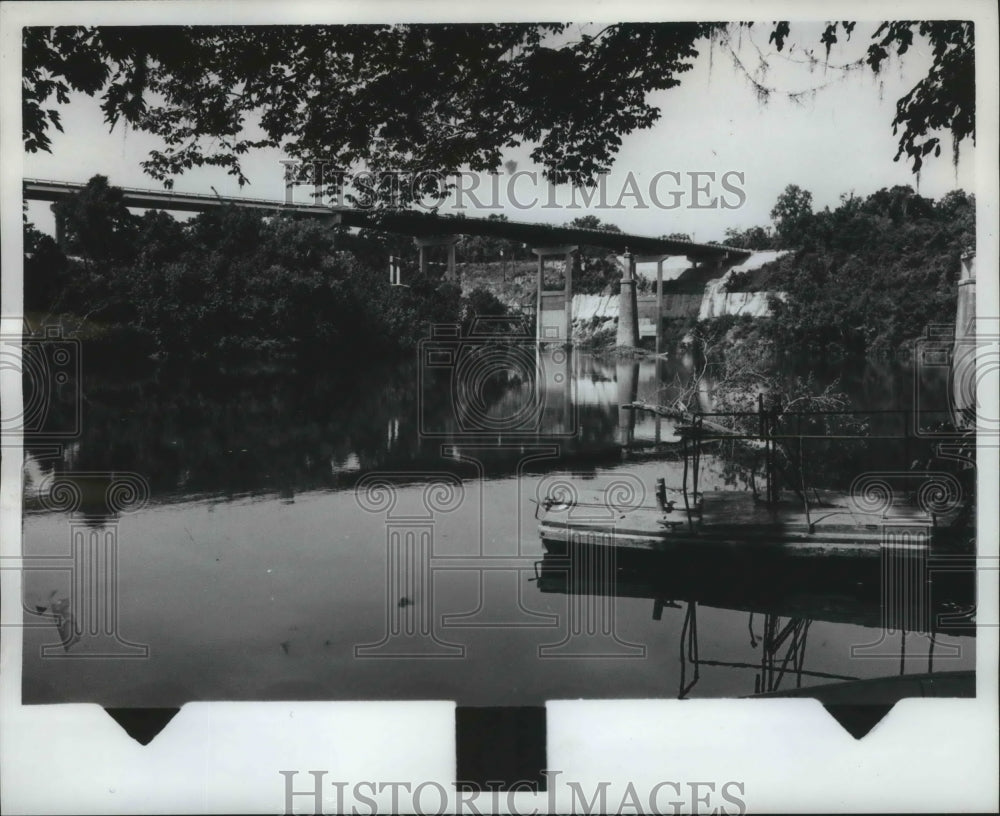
column 372, row 536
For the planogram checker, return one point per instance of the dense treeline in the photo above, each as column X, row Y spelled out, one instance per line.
column 228, row 285
column 232, row 286
column 867, row 277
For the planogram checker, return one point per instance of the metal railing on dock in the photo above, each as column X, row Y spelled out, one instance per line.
column 774, row 429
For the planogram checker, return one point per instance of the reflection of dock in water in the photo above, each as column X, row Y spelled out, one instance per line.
column 782, row 607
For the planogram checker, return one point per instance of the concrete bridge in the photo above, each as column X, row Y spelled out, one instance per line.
column 547, row 243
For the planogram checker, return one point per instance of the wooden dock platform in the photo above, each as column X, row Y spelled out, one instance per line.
column 832, row 525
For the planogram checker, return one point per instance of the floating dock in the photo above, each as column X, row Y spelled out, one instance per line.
column 833, row 524
column 904, row 510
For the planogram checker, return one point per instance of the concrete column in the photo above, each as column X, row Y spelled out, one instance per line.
column 538, row 298
column 569, row 421
column 628, row 307
column 659, row 311
column 965, row 314
column 60, row 229
column 963, row 379
column 627, row 380
column 658, row 259
column 449, row 241
column 569, row 299
column 451, row 274
column 563, row 324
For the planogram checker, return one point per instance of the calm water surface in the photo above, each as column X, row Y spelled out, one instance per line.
column 374, row 537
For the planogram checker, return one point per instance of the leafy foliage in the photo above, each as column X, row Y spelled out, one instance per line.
column 595, row 269
column 481, row 303
column 417, row 97
column 486, row 248
column 402, row 97
column 756, row 238
column 792, row 215
column 739, row 376
column 98, row 225
column 944, row 99
column 869, row 276
column 230, row 286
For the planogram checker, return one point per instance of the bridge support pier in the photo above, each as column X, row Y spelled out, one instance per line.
column 627, row 380
column 965, row 347
column 628, row 306
column 449, row 241
column 658, row 260
column 546, row 331
column 60, row 228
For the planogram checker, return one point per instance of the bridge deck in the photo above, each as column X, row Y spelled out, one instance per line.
column 406, row 222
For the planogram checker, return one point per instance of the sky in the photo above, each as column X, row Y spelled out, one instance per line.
column 833, row 142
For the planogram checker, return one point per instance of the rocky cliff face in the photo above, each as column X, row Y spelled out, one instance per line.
column 594, row 316
column 717, row 300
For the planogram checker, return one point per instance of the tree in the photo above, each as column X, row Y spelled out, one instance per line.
column 898, row 203
column 756, row 238
column 592, row 222
column 414, row 97
column 944, row 99
column 595, row 269
column 871, row 274
column 97, row 223
column 44, row 270
column 229, row 286
column 487, row 249
column 793, row 216
column 405, row 97
column 160, row 238
column 481, row 302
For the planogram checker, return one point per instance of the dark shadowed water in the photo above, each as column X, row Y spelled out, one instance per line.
column 373, row 536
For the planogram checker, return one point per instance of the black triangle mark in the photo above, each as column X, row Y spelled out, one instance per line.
column 142, row 724
column 858, row 719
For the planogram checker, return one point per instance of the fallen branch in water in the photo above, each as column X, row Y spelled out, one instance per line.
column 689, row 418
